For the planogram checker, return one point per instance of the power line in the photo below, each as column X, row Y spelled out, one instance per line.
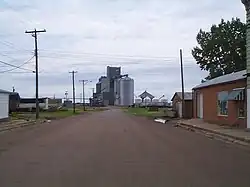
column 18, row 67
column 107, row 55
column 11, row 45
column 12, row 8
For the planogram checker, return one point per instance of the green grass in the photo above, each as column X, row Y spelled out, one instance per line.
column 58, row 114
column 45, row 115
column 144, row 112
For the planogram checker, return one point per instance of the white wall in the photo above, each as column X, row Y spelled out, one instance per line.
column 4, row 105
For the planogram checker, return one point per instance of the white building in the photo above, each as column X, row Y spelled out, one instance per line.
column 30, row 103
column 4, row 104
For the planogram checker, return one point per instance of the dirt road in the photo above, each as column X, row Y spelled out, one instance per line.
column 112, row 149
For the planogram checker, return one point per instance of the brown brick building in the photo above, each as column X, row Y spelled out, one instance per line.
column 188, row 104
column 222, row 100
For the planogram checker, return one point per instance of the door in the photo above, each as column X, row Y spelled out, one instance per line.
column 179, row 106
column 200, row 106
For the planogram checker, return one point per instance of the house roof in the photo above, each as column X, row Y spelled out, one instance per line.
column 4, row 91
column 146, row 94
column 223, row 79
column 187, row 95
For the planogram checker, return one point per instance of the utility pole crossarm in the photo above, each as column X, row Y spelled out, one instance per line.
column 35, row 31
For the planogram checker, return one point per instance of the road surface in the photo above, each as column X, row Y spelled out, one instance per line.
column 113, row 149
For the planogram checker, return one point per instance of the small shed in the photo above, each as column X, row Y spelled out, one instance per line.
column 14, row 101
column 188, row 104
column 4, row 105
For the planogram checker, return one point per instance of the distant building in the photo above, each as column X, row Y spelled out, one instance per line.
column 113, row 72
column 114, row 89
column 53, row 102
column 14, row 101
column 222, row 100
column 68, row 104
column 4, row 105
column 30, row 103
column 124, row 91
column 188, row 104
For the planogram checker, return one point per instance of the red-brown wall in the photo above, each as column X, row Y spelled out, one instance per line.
column 188, row 112
column 210, row 110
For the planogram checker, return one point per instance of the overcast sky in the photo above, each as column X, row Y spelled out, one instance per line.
column 141, row 36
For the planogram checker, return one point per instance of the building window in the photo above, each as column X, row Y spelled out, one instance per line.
column 222, row 100
column 241, row 109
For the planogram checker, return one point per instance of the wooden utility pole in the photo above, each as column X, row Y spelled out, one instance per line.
column 83, row 92
column 93, row 91
column 74, row 94
column 182, row 86
column 34, row 34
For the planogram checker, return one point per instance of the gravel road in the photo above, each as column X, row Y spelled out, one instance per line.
column 113, row 149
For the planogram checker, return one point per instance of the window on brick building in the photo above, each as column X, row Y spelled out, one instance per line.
column 241, row 109
column 222, row 100
column 238, row 96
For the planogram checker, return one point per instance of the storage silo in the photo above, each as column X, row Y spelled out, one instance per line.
column 126, row 91
column 117, row 91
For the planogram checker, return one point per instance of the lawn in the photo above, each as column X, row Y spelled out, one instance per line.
column 144, row 112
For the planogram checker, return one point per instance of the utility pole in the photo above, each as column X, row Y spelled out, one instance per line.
column 74, row 95
column 182, row 86
column 83, row 92
column 80, row 97
column 34, row 34
column 93, row 91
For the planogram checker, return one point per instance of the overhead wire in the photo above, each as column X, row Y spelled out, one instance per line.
column 19, row 17
column 17, row 67
column 12, row 46
column 51, row 52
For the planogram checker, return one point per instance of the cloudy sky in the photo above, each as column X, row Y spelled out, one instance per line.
column 141, row 36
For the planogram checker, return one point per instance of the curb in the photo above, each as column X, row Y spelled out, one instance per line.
column 215, row 133
column 6, row 128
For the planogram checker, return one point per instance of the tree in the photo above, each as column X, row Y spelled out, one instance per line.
column 222, row 50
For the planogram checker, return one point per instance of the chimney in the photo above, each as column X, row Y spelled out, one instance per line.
column 247, row 6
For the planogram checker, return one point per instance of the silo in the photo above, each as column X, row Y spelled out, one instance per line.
column 126, row 91
column 117, row 91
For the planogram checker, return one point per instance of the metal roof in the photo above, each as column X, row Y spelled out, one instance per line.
column 187, row 95
column 223, row 79
column 4, row 91
column 146, row 94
